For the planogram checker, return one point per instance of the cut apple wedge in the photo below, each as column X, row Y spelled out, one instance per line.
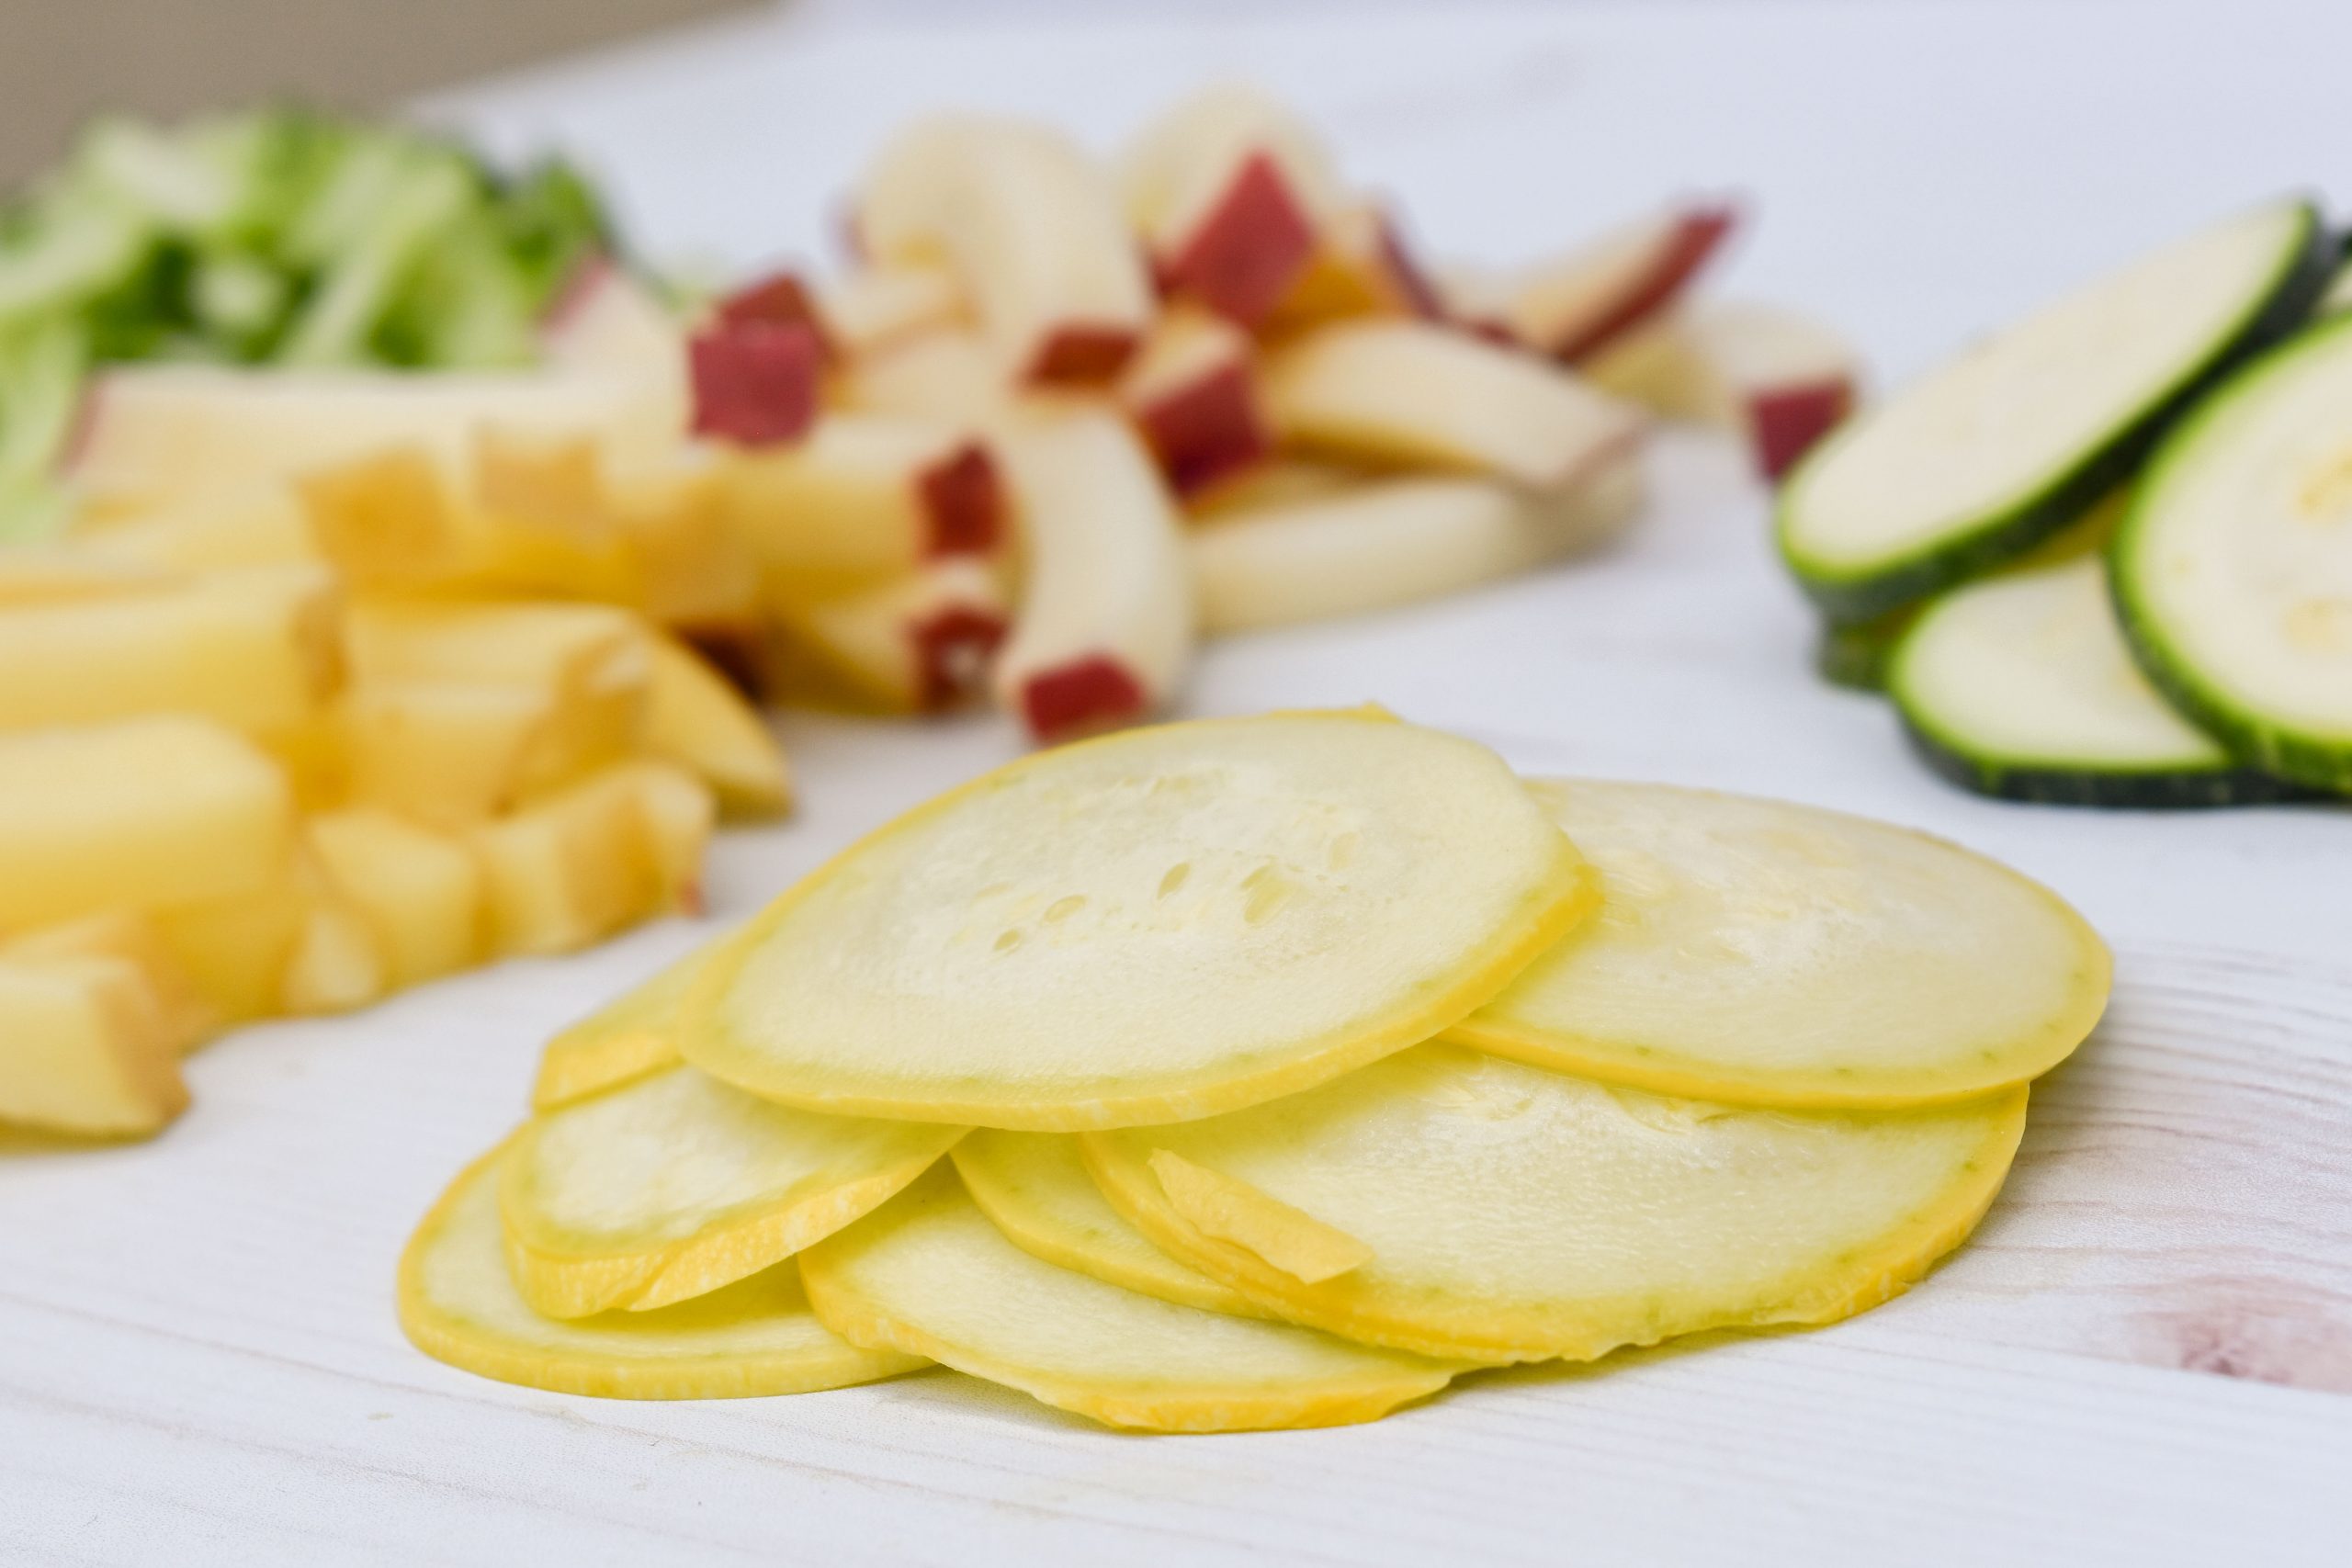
column 628, row 1037
column 947, row 375
column 697, row 719
column 1229, row 190
column 419, row 891
column 1192, row 391
column 90, row 1050
column 781, row 299
column 755, row 382
column 1032, row 232
column 158, row 436
column 755, row 1338
column 922, row 644
column 256, row 649
column 1391, row 542
column 1494, row 1212
column 1278, row 481
column 1034, row 1187
column 145, row 812
column 1574, row 307
column 1416, row 393
column 1362, row 265
column 1146, row 927
column 927, row 1274
column 1788, row 380
column 877, row 307
column 675, row 1184
column 611, row 323
column 866, row 498
column 1107, row 615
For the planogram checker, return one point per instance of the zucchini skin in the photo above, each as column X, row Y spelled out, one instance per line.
column 2319, row 763
column 1849, row 600
column 2120, row 790
column 1858, row 657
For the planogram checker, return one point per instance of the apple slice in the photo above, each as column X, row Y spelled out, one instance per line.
column 1416, row 393
column 865, row 498
column 1394, row 542
column 1278, row 481
column 1031, row 231
column 947, row 375
column 1791, row 379
column 917, row 644
column 1361, row 267
column 1192, row 391
column 755, row 380
column 611, row 323
column 1229, row 190
column 155, row 436
column 877, row 307
column 782, row 298
column 1571, row 308
column 1106, row 614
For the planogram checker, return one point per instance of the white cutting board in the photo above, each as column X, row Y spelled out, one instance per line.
column 2144, row 1358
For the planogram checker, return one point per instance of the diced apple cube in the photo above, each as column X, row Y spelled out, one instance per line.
column 947, row 375
column 1790, row 380
column 89, row 1051
column 1193, row 391
column 254, row 648
column 1361, row 267
column 1416, row 393
column 779, row 298
column 754, row 382
column 1571, row 308
column 918, row 644
column 419, row 891
column 696, row 719
column 142, row 812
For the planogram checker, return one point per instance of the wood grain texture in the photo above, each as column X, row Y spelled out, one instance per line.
column 2144, row 1358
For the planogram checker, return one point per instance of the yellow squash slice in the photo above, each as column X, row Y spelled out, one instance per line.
column 1034, row 1188
column 1162, row 923
column 634, row 1035
column 927, row 1274
column 674, row 1185
column 1504, row 1212
column 757, row 1336
column 1763, row 953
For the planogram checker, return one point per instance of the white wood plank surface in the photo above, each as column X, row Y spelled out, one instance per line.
column 2144, row 1358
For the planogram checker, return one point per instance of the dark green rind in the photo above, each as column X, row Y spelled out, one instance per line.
column 1858, row 657
column 2318, row 761
column 2113, row 790
column 2303, row 276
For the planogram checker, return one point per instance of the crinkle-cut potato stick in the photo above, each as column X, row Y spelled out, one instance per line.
column 1034, row 1187
column 674, row 1185
column 756, row 1337
column 1764, row 953
column 1154, row 925
column 634, row 1035
column 1513, row 1213
column 928, row 1275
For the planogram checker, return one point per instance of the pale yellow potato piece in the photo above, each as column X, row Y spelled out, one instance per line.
column 756, row 1337
column 627, row 1038
column 143, row 812
column 1158, row 924
column 1764, row 953
column 696, row 720
column 676, row 1184
column 131, row 936
column 575, row 867
column 254, row 648
column 928, row 1275
column 1513, row 1214
column 1033, row 1186
column 419, row 891
column 71, row 573
column 85, row 1047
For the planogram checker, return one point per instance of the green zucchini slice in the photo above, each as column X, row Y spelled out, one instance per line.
column 2002, row 447
column 2233, row 571
column 2022, row 686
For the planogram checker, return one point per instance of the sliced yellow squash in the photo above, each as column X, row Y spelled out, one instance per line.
column 674, row 1185
column 1158, row 924
column 1513, row 1213
column 928, row 1275
column 757, row 1336
column 632, row 1035
column 1034, row 1187
column 1764, row 953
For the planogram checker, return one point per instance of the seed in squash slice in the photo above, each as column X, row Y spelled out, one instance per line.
column 1763, row 953
column 928, row 1275
column 634, row 1035
column 676, row 1184
column 1034, row 1187
column 756, row 1337
column 1513, row 1213
column 1155, row 925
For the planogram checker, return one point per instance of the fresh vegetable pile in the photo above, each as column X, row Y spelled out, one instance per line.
column 273, row 237
column 1285, row 1068
column 2105, row 559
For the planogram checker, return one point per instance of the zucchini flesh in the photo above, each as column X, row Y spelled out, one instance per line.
column 2004, row 445
column 2233, row 571
column 2022, row 686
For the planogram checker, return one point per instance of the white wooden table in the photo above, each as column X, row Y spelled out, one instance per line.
column 2144, row 1358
